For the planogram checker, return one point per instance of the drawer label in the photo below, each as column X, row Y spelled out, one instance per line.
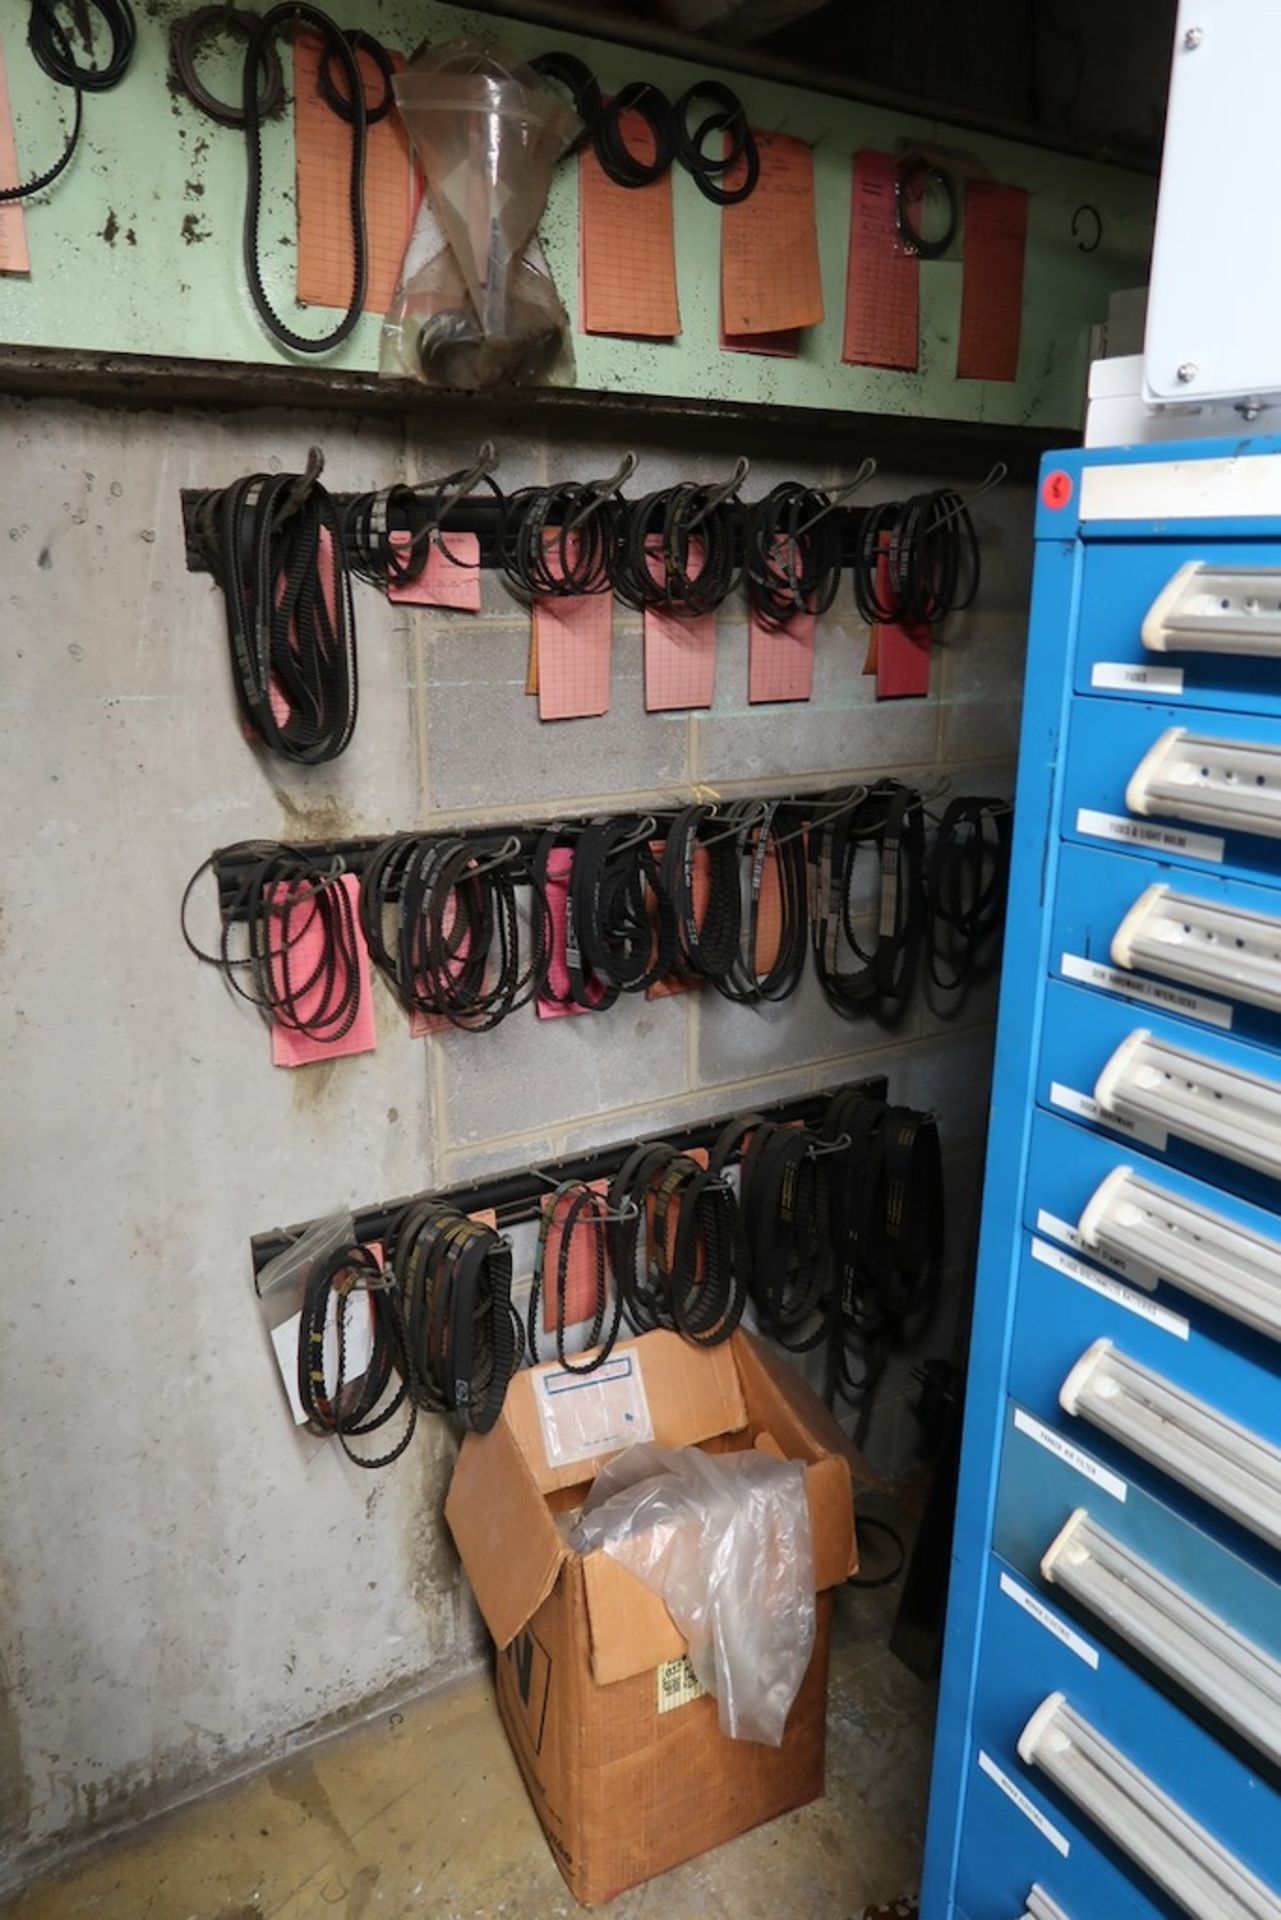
column 1087, row 1108
column 1111, row 1289
column 1117, row 673
column 1070, row 1456
column 1197, row 1006
column 1059, row 1841
column 1061, row 1230
column 1145, row 833
column 1051, row 1622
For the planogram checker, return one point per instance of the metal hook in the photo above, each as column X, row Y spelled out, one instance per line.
column 628, row 1211
column 646, row 831
column 841, row 495
column 746, row 823
column 603, row 490
column 817, row 819
column 817, row 1148
column 449, row 497
column 508, row 851
column 717, row 496
column 994, row 479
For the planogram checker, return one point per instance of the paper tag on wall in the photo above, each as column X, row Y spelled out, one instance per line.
column 583, row 1415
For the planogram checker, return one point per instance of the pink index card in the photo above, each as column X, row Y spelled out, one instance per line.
column 448, row 580
column 992, row 281
column 680, row 649
column 14, row 256
column 560, row 861
column 574, row 634
column 290, row 1049
column 780, row 659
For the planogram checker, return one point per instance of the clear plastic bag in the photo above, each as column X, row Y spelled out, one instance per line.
column 724, row 1540
column 472, row 309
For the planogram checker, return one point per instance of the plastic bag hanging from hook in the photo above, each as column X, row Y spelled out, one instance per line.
column 472, row 309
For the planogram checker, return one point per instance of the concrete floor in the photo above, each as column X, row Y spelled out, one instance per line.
column 423, row 1812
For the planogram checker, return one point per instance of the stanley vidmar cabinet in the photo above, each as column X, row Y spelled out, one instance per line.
column 1109, row 1731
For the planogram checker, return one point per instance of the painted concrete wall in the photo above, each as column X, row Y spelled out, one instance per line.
column 186, row 1583
column 138, row 248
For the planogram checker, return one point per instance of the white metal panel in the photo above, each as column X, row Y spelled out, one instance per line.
column 1216, row 280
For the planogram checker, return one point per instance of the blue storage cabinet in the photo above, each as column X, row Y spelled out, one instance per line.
column 1109, row 1731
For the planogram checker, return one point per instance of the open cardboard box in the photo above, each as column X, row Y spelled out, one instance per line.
column 621, row 1752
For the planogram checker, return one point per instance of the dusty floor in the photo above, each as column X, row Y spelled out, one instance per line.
column 424, row 1813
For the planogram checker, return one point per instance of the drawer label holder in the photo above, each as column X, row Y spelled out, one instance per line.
column 1039, row 1612
column 1059, row 1841
column 1071, row 1456
column 1197, row 1006
column 1146, row 833
column 1114, row 1290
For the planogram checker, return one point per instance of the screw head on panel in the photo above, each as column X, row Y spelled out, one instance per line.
column 1192, row 39
column 1187, row 372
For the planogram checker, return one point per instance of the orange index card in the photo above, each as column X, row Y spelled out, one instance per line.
column 448, row 580
column 882, row 284
column 770, row 275
column 992, row 281
column 14, row 257
column 393, row 187
column 780, row 660
column 306, row 955
column 627, row 247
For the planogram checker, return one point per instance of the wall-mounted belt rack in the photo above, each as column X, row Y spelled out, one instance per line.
column 232, row 865
column 517, row 1197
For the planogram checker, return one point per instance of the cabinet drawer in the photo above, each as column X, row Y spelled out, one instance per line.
column 1202, row 1621
column 1220, row 658
column 1194, row 1248
column 1211, row 1105
column 1203, row 947
column 1028, row 1656
column 1110, row 741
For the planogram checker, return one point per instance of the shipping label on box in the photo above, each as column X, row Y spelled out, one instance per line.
column 583, row 1415
column 678, row 1684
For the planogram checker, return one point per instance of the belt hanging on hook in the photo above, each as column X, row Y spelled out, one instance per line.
column 51, row 50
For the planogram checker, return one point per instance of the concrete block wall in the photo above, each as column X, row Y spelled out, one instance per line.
column 190, row 1586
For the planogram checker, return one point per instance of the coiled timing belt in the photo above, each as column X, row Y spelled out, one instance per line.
column 613, row 882
column 753, row 826
column 275, row 546
column 353, row 1407
column 889, row 823
column 786, row 1212
column 686, row 1218
column 575, row 1207
column 455, row 1274
column 706, row 948
column 966, row 882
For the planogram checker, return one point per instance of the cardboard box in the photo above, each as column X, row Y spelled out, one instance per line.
column 624, row 1760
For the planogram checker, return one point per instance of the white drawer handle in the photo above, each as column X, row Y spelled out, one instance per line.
column 1232, row 1468
column 1220, row 1108
column 1217, row 610
column 1189, row 1864
column 1136, row 1223
column 1182, row 938
column 1041, row 1907
column 1236, row 1679
column 1232, row 784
